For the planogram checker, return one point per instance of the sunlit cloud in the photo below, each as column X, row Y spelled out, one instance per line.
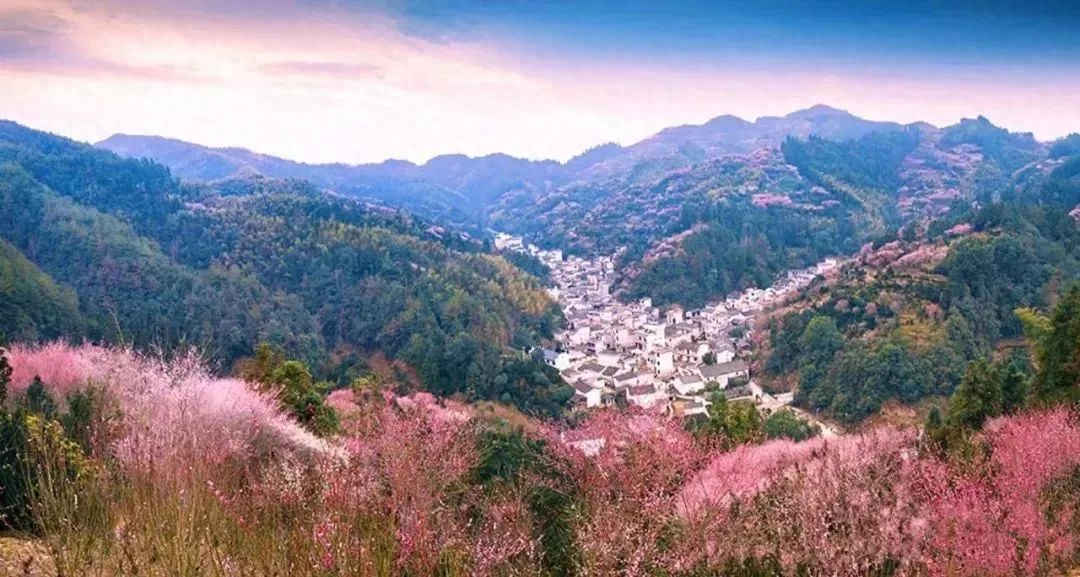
column 326, row 81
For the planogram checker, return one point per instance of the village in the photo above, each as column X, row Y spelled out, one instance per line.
column 667, row 359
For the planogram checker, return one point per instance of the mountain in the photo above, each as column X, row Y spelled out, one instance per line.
column 227, row 265
column 451, row 188
column 682, row 146
column 459, row 189
column 807, row 198
column 834, row 179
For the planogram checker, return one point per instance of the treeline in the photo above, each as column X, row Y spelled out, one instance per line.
column 869, row 163
column 1009, row 384
column 227, row 267
column 32, row 306
column 905, row 336
column 741, row 245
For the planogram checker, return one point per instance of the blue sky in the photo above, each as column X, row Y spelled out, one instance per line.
column 330, row 80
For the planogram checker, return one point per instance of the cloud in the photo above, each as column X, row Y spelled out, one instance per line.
column 336, row 69
column 333, row 80
column 43, row 42
column 30, row 34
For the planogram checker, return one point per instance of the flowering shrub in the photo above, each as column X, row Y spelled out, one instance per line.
column 173, row 413
column 630, row 487
column 211, row 478
column 992, row 521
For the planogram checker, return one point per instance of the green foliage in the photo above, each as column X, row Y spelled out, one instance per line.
column 528, row 263
column 729, row 424
column 32, row 445
column 987, row 390
column 292, row 382
column 739, row 246
column 1068, row 146
column 32, row 305
column 871, row 162
column 978, row 397
column 86, row 419
column 5, row 377
column 15, row 479
column 858, row 354
column 37, row 400
column 225, row 267
column 509, row 457
column 1010, row 151
column 1056, row 343
column 784, row 423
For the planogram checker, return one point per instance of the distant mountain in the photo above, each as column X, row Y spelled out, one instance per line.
column 459, row 189
column 451, row 188
column 821, row 171
column 682, row 146
column 733, row 134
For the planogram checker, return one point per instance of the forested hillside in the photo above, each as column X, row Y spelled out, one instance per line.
column 903, row 321
column 843, row 194
column 835, row 196
column 227, row 266
column 32, row 306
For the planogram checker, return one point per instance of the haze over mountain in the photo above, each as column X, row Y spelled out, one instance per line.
column 723, row 134
column 459, row 188
column 545, row 197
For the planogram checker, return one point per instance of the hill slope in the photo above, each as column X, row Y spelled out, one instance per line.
column 229, row 265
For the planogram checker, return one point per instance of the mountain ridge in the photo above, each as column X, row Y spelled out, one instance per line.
column 123, row 143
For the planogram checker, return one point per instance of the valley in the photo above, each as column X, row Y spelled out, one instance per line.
column 680, row 354
column 442, row 288
column 669, row 361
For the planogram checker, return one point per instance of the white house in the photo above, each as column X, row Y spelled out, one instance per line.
column 689, row 406
column 689, row 384
column 559, row 360
column 580, row 336
column 625, row 338
column 592, row 370
column 692, row 352
column 507, row 242
column 723, row 350
column 632, row 379
column 723, row 373
column 587, row 394
column 662, row 361
column 645, row 396
column 674, row 315
column 608, row 358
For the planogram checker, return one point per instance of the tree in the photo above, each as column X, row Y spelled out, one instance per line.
column 1057, row 350
column 784, row 423
column 5, row 377
column 709, row 358
column 294, row 386
column 819, row 343
column 1014, row 373
column 978, row 398
column 728, row 423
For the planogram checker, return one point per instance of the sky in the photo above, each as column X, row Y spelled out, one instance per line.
column 340, row 81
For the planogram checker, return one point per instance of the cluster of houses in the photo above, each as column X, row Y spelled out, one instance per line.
column 635, row 353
